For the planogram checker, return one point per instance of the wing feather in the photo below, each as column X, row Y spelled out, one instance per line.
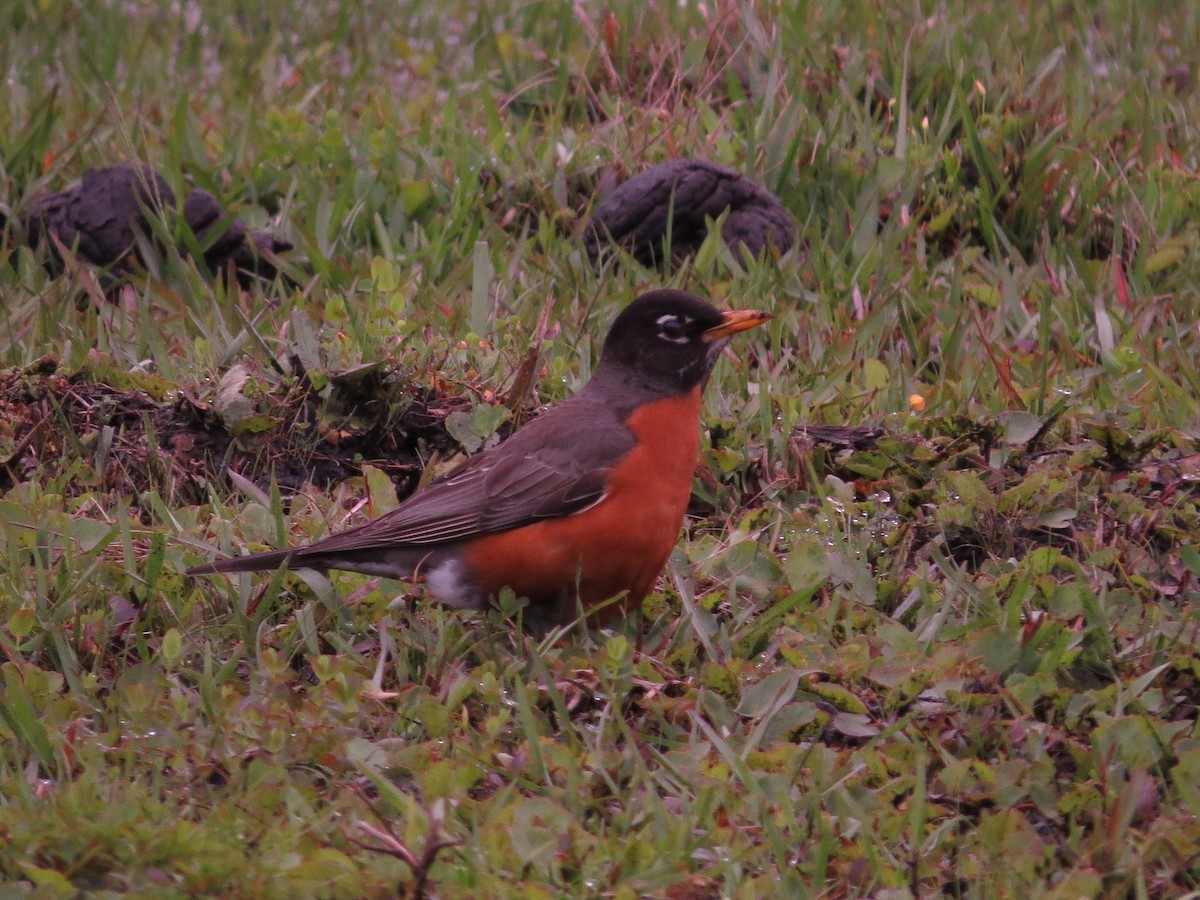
column 528, row 477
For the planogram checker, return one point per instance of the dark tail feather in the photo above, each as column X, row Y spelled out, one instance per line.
column 255, row 562
column 389, row 562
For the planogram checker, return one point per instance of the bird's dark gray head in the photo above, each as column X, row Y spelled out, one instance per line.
column 671, row 339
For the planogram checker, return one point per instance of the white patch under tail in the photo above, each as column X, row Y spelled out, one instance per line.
column 449, row 584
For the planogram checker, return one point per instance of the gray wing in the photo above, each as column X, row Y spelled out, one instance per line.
column 507, row 486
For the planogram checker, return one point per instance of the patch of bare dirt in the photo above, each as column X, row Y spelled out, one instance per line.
column 94, row 435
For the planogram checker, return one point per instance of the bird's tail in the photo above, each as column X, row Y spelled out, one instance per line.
column 389, row 562
column 255, row 562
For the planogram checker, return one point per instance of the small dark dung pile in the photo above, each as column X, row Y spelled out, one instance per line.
column 674, row 199
column 101, row 216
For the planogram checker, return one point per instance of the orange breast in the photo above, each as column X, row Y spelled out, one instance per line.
column 617, row 546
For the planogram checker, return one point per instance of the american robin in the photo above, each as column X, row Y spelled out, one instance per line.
column 580, row 506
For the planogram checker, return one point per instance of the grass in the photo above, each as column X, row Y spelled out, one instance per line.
column 961, row 661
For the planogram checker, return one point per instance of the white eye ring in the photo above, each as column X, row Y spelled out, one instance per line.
column 673, row 328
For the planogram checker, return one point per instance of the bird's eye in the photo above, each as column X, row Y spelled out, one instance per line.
column 673, row 329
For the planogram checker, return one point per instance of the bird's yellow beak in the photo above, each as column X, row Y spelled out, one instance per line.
column 733, row 321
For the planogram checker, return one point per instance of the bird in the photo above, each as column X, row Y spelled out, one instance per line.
column 577, row 510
